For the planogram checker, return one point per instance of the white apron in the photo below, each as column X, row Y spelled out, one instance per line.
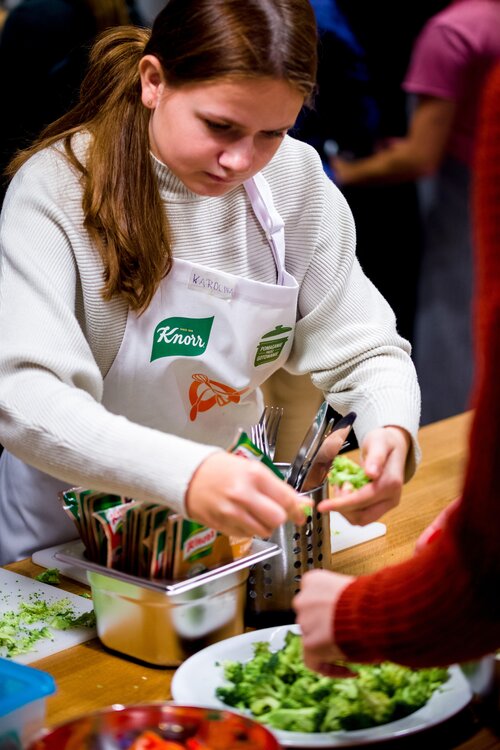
column 190, row 365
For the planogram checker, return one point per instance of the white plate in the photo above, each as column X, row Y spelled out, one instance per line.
column 196, row 680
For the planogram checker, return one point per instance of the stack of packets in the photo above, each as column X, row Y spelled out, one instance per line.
column 150, row 540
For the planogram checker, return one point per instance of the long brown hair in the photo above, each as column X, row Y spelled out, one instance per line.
column 108, row 13
column 196, row 41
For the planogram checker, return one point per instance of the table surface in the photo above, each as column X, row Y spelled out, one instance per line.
column 89, row 677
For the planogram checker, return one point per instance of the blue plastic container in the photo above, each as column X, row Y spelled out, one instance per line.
column 22, row 703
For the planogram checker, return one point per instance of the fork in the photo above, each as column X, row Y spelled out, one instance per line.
column 272, row 418
column 257, row 433
column 264, row 433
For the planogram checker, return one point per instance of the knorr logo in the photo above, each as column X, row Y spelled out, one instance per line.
column 198, row 543
column 185, row 337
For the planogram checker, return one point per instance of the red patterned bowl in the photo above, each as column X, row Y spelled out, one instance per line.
column 158, row 726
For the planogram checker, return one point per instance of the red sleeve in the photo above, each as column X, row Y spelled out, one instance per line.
column 443, row 605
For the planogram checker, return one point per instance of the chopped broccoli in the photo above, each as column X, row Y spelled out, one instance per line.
column 279, row 690
column 344, row 469
column 293, row 719
column 51, row 575
column 21, row 630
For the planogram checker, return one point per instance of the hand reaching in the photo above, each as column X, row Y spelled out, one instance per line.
column 383, row 452
column 241, row 497
column 315, row 607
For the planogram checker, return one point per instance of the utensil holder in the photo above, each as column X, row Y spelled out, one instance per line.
column 273, row 583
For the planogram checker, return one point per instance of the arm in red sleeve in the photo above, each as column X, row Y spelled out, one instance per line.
column 443, row 605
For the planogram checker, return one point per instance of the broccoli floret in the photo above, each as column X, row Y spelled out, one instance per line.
column 279, row 690
column 51, row 575
column 293, row 719
column 344, row 469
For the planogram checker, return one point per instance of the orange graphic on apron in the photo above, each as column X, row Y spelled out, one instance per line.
column 205, row 393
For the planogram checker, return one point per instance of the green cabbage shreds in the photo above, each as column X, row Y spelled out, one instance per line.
column 344, row 469
column 279, row 690
column 34, row 620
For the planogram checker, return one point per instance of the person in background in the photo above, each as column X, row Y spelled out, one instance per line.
column 449, row 64
column 47, row 43
column 147, row 287
column 442, row 606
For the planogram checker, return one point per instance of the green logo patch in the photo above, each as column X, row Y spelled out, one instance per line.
column 185, row 337
column 271, row 345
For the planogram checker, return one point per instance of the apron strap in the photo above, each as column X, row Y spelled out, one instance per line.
column 271, row 222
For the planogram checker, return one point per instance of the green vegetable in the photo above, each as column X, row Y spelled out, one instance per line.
column 21, row 630
column 51, row 575
column 279, row 690
column 344, row 469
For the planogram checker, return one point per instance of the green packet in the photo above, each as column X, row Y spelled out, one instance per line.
column 244, row 447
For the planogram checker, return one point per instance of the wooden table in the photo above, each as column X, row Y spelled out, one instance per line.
column 88, row 677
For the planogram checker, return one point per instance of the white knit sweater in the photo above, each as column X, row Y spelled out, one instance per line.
column 59, row 338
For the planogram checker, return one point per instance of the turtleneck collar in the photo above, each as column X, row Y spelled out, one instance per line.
column 171, row 188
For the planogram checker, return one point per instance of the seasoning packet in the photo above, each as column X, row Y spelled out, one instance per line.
column 113, row 528
column 80, row 504
column 196, row 548
column 245, row 448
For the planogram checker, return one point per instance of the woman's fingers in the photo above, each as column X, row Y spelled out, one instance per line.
column 239, row 496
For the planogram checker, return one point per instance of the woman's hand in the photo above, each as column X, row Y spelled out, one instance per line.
column 241, row 497
column 315, row 608
column 383, row 456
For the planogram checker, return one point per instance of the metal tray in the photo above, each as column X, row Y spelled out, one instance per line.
column 259, row 551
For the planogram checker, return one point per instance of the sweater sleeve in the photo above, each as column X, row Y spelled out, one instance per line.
column 51, row 386
column 443, row 605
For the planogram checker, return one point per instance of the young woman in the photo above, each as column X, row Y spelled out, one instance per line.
column 165, row 248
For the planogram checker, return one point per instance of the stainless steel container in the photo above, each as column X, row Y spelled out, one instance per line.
column 163, row 623
column 273, row 583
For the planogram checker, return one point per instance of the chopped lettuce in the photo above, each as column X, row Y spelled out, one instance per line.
column 279, row 690
column 344, row 469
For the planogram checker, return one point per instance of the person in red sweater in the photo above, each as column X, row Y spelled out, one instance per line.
column 442, row 605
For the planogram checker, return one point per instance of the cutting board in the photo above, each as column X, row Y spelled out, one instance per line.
column 345, row 534
column 15, row 588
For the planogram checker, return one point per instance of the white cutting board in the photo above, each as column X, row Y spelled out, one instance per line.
column 47, row 559
column 15, row 588
column 345, row 534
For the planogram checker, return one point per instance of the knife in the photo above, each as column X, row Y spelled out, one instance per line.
column 308, row 444
column 306, row 481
